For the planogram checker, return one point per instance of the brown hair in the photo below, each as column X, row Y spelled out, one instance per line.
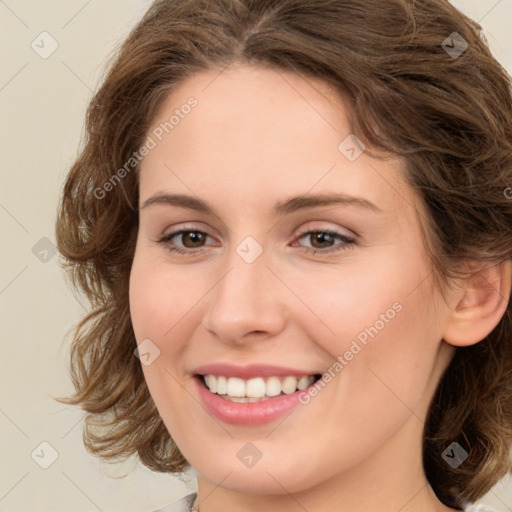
column 449, row 117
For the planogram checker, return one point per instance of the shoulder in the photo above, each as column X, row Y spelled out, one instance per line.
column 479, row 508
column 184, row 505
column 181, row 505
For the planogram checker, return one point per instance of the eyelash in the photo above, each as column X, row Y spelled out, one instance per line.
column 348, row 242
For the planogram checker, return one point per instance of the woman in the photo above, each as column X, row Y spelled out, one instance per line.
column 295, row 215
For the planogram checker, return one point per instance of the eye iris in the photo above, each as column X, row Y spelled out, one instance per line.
column 193, row 236
column 323, row 237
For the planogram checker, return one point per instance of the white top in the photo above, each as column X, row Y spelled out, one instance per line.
column 185, row 505
column 182, row 505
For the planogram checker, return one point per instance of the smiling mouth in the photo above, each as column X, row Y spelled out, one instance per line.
column 257, row 389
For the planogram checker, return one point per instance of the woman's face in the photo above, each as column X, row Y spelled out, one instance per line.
column 247, row 295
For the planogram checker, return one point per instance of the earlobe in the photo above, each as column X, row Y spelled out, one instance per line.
column 479, row 304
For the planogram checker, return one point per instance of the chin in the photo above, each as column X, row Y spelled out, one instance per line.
column 263, row 478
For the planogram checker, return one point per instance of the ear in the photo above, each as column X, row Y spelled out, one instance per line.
column 478, row 304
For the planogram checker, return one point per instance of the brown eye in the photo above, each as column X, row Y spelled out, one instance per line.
column 322, row 238
column 190, row 239
column 326, row 239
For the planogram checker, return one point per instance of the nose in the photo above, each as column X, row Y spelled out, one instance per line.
column 246, row 304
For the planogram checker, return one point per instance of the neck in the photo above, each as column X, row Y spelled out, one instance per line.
column 389, row 480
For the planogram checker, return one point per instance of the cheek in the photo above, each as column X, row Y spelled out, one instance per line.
column 383, row 325
column 165, row 307
column 352, row 300
column 156, row 307
column 145, row 296
column 157, row 299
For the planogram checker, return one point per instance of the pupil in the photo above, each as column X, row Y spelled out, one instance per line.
column 193, row 236
column 196, row 238
column 325, row 237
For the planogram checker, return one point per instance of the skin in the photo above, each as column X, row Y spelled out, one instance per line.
column 256, row 137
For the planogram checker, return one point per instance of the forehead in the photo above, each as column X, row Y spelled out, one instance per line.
column 242, row 106
column 262, row 132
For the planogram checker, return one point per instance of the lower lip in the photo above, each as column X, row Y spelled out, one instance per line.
column 252, row 413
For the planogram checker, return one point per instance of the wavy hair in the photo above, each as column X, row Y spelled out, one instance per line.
column 449, row 117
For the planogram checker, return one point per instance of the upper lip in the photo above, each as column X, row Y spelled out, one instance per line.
column 249, row 371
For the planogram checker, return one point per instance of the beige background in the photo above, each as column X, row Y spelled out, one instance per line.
column 42, row 105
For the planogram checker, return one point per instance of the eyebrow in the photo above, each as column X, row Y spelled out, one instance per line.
column 288, row 206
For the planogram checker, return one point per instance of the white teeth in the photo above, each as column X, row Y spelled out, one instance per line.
column 222, row 386
column 244, row 399
column 235, row 387
column 273, row 386
column 212, row 384
column 289, row 385
column 256, row 389
column 303, row 383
